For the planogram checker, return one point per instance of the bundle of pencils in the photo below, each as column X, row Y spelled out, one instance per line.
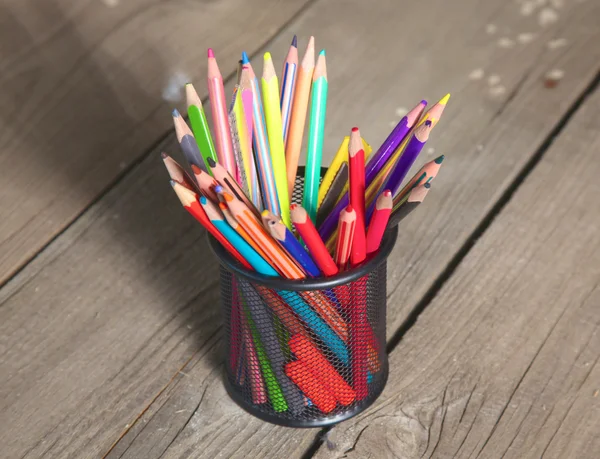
column 240, row 188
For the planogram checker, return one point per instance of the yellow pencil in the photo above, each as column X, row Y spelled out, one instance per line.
column 271, row 105
column 340, row 157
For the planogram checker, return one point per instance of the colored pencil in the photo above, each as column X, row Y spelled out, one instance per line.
column 434, row 114
column 298, row 372
column 257, row 385
column 333, row 321
column 381, row 216
column 413, row 199
column 430, row 170
column 242, row 232
column 270, row 93
column 229, row 184
column 345, row 237
column 242, row 180
column 264, row 325
column 311, row 238
column 288, row 241
column 178, row 173
column 216, row 94
column 288, row 84
column 338, row 160
column 274, row 391
column 261, row 144
column 276, row 255
column 245, row 141
column 356, row 157
column 314, row 153
column 199, row 125
column 206, row 183
column 408, row 157
column 333, row 194
column 293, row 145
column 319, row 366
column 377, row 161
column 251, row 256
column 187, row 142
column 189, row 200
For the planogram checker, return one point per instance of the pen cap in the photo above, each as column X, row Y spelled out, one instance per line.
column 310, row 352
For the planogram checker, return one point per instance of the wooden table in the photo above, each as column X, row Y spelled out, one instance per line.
column 110, row 338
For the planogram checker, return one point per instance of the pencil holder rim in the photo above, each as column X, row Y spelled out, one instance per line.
column 310, row 283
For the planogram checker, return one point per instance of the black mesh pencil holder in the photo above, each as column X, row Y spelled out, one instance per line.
column 305, row 353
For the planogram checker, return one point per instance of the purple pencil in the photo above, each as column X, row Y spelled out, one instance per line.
column 405, row 162
column 375, row 164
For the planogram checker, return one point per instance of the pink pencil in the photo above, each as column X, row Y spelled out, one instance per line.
column 218, row 105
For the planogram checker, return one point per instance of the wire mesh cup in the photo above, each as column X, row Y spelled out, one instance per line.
column 305, row 353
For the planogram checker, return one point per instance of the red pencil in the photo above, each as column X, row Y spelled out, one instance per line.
column 313, row 241
column 379, row 221
column 356, row 162
column 189, row 200
column 345, row 236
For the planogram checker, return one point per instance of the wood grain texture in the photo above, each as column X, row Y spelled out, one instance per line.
column 95, row 329
column 86, row 89
column 510, row 130
column 505, row 361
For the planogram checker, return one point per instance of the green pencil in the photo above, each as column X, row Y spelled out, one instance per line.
column 200, row 125
column 273, row 388
column 318, row 109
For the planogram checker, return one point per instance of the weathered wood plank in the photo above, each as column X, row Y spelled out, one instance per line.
column 505, row 360
column 107, row 327
column 510, row 132
column 86, row 89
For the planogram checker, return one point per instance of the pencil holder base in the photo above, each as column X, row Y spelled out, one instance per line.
column 325, row 421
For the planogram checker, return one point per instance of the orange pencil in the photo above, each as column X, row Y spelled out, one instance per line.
column 298, row 116
column 189, row 200
column 275, row 254
column 206, row 183
column 178, row 173
column 381, row 216
column 241, row 231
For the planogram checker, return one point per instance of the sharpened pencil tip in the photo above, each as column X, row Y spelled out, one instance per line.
column 203, row 200
column 444, row 100
column 428, row 123
column 354, row 129
column 424, row 102
column 295, row 41
column 267, row 56
column 173, row 183
column 219, row 189
column 427, row 185
column 245, row 59
column 163, row 155
column 322, row 53
column 439, row 159
column 211, row 162
column 211, row 53
column 195, row 169
column 175, row 113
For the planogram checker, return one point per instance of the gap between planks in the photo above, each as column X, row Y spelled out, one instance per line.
column 153, row 147
column 453, row 264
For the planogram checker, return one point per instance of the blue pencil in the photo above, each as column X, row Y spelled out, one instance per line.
column 285, row 237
